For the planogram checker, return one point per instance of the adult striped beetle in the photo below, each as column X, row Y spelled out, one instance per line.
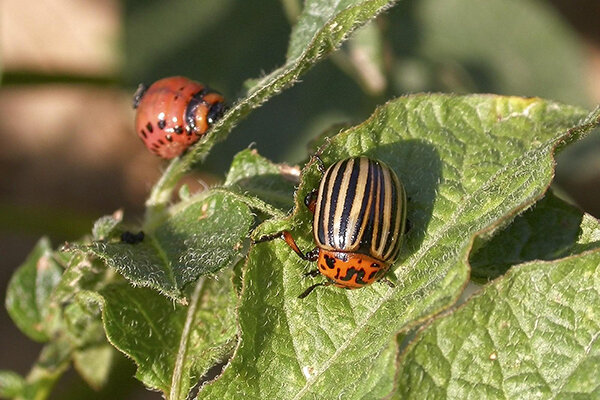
column 358, row 224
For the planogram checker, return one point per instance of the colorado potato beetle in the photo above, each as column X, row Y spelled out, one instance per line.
column 173, row 113
column 359, row 220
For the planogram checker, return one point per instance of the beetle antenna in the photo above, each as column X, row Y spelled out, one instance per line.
column 312, row 255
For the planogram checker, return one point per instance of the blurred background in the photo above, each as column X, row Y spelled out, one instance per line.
column 69, row 155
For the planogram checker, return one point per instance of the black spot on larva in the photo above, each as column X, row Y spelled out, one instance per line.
column 161, row 142
column 216, row 111
column 178, row 129
column 155, row 145
column 149, row 127
column 190, row 110
column 181, row 88
column 143, row 132
column 330, row 261
column 162, row 123
column 169, row 138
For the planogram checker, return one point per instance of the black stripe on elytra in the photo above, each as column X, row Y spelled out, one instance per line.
column 350, row 272
column 333, row 204
column 367, row 237
column 380, row 209
column 322, row 203
column 394, row 215
column 350, row 197
column 363, row 207
column 402, row 215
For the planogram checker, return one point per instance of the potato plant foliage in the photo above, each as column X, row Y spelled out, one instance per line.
column 205, row 313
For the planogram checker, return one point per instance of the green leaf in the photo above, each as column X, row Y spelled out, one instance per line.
column 11, row 384
column 546, row 231
column 81, row 274
column 532, row 333
column 198, row 238
column 327, row 22
column 254, row 175
column 321, row 28
column 29, row 290
column 467, row 163
column 106, row 225
column 172, row 345
column 362, row 58
column 82, row 322
column 496, row 49
column 94, row 364
column 49, row 367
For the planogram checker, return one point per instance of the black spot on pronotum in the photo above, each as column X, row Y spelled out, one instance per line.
column 360, row 274
column 322, row 267
column 132, row 238
column 162, row 123
column 330, row 261
column 375, row 265
column 337, row 274
column 149, row 127
column 372, row 274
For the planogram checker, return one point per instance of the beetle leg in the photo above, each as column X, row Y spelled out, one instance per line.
column 320, row 164
column 312, row 287
column 312, row 273
column 268, row 238
column 310, row 201
column 388, row 282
